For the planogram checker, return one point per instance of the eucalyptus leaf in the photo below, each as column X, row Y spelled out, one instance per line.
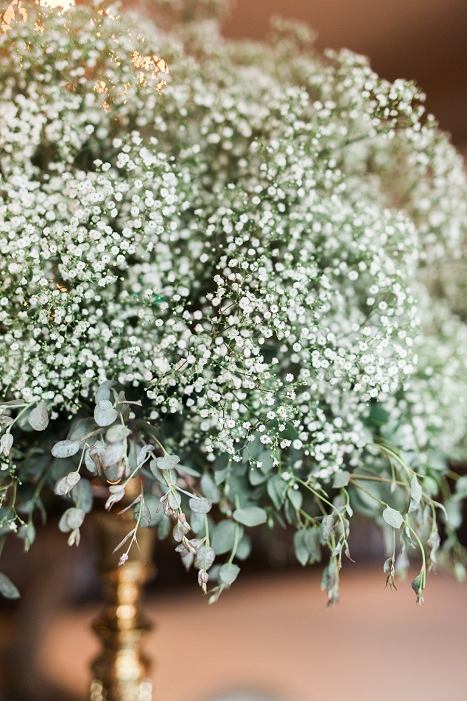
column 417, row 586
column 65, row 449
column 434, row 541
column 104, row 413
column 104, row 393
column 290, row 512
column 413, row 506
column 142, row 455
column 124, row 410
column 174, row 500
column 180, row 530
column 223, row 536
column 167, row 462
column 66, row 484
column 6, row 442
column 341, row 479
column 210, row 489
column 197, row 524
column 89, row 462
column 296, row 498
column 277, row 488
column 392, row 517
column 117, row 433
column 256, row 476
column 204, row 558
column 228, row 573
column 301, row 551
column 453, row 514
column 117, row 492
column 71, row 519
column 460, row 572
column 39, row 417
column 416, row 491
column 193, row 544
column 266, row 460
column 221, row 475
column 312, row 543
column 163, row 529
column 75, row 517
column 153, row 503
column 82, row 495
column 7, row 588
column 200, row 505
column 187, row 470
column 243, row 548
column 250, row 516
column 113, row 454
column 145, row 518
column 327, row 525
column 27, row 533
column 82, row 428
column 461, row 487
column 337, row 550
column 26, row 507
column 157, row 473
column 96, row 452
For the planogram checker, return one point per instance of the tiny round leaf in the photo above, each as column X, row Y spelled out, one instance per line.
column 104, row 413
column 39, row 417
column 392, row 517
column 65, row 449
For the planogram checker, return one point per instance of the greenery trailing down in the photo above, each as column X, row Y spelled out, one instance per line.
column 239, row 288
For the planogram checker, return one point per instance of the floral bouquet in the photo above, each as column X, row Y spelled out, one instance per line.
column 227, row 276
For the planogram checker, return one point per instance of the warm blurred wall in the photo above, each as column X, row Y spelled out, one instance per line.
column 421, row 40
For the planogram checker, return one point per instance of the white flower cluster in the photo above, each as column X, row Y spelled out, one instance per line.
column 430, row 417
column 244, row 261
column 66, row 309
column 239, row 253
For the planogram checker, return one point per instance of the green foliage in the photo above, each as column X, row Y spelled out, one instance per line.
column 392, row 517
column 7, row 588
column 250, row 516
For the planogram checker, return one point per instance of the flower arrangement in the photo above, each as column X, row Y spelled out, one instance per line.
column 234, row 282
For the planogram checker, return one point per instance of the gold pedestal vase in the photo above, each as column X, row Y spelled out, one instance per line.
column 121, row 671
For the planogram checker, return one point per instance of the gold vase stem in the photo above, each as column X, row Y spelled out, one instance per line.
column 121, row 672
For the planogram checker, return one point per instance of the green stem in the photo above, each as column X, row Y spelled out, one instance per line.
column 359, row 486
column 354, row 475
column 235, row 545
column 422, row 550
column 26, row 407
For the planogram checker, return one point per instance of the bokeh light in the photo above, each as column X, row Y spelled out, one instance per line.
column 18, row 7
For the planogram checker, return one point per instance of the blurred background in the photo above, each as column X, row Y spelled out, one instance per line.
column 270, row 638
column 421, row 40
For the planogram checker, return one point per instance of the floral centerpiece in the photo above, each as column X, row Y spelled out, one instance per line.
column 234, row 282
